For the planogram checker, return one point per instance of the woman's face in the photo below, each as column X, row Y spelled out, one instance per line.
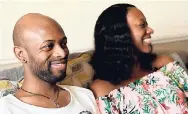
column 140, row 31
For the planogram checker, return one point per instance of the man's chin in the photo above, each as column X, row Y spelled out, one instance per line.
column 56, row 79
column 60, row 75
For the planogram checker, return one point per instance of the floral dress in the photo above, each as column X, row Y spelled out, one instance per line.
column 161, row 92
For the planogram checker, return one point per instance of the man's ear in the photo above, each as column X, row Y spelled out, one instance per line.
column 20, row 54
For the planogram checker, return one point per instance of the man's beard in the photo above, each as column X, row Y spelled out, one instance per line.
column 45, row 73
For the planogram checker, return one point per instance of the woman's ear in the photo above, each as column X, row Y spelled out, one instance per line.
column 20, row 54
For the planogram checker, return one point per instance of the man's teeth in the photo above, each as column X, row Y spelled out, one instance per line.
column 148, row 40
column 58, row 64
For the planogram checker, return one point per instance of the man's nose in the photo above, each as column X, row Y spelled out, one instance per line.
column 59, row 52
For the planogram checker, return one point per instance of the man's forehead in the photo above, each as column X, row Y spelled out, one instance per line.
column 42, row 35
column 33, row 29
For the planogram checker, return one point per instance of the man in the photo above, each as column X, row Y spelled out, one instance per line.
column 41, row 45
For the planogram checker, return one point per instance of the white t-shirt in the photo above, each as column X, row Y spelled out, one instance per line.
column 82, row 102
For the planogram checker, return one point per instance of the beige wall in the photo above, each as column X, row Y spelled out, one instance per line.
column 178, row 46
column 169, row 19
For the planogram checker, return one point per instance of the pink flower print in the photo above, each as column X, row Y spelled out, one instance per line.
column 180, row 97
column 184, row 109
column 139, row 101
column 185, row 112
column 155, row 111
column 145, row 86
column 101, row 106
column 165, row 107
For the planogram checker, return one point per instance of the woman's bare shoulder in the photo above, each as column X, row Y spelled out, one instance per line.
column 162, row 60
column 101, row 88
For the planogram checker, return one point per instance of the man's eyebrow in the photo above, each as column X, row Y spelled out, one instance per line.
column 65, row 38
column 48, row 41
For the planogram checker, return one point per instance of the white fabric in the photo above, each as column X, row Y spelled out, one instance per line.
column 82, row 102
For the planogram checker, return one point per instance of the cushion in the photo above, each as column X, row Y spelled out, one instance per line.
column 7, row 87
column 12, row 74
column 79, row 72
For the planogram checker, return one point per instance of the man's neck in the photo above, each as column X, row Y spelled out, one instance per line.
column 34, row 89
column 36, row 85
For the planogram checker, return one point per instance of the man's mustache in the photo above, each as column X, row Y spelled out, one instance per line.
column 58, row 60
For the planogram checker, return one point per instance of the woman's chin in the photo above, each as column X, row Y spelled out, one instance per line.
column 147, row 49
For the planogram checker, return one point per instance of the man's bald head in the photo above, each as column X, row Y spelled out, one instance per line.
column 41, row 45
column 32, row 22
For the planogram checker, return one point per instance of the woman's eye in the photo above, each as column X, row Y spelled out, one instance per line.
column 142, row 25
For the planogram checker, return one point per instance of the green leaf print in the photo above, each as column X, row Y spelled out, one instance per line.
column 161, row 100
column 146, row 109
column 135, row 112
column 153, row 80
column 138, row 82
column 107, row 104
column 174, row 98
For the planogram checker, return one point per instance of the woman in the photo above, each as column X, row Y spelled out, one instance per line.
column 129, row 78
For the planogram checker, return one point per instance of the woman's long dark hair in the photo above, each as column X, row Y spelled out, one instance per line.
column 114, row 55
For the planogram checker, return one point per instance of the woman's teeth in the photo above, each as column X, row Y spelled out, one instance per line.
column 147, row 40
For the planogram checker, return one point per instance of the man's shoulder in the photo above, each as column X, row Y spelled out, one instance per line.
column 76, row 89
column 5, row 100
column 82, row 95
column 1, row 101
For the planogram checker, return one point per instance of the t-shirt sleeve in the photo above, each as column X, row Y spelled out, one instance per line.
column 91, row 100
column 95, row 108
column 85, row 97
